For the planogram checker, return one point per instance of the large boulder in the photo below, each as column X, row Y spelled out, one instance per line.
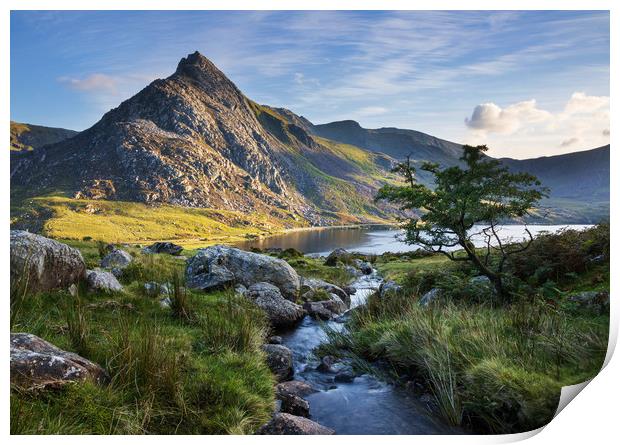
column 338, row 255
column 389, row 287
column 430, row 297
column 99, row 280
column 117, row 259
column 316, row 284
column 217, row 278
column 36, row 363
column 283, row 423
column 163, row 247
column 280, row 361
column 280, row 311
column 245, row 268
column 43, row 264
column 294, row 387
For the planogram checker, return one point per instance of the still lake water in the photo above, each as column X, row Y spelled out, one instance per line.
column 377, row 239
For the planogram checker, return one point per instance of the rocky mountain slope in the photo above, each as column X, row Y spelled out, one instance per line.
column 193, row 139
column 26, row 137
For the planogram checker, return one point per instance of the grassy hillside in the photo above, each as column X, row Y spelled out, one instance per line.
column 26, row 137
column 342, row 179
column 130, row 222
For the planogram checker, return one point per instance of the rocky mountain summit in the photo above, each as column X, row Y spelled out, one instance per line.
column 193, row 139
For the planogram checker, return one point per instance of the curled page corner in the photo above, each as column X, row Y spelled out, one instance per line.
column 568, row 394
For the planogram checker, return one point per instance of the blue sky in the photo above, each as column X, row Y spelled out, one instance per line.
column 527, row 83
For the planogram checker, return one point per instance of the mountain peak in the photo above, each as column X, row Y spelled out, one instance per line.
column 197, row 67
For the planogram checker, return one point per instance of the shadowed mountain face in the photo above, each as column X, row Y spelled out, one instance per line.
column 581, row 175
column 194, row 140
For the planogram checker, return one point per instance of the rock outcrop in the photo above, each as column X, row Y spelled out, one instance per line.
column 316, row 284
column 41, row 264
column 280, row 311
column 389, row 287
column 163, row 247
column 280, row 361
column 283, row 423
column 221, row 266
column 338, row 255
column 430, row 297
column 36, row 363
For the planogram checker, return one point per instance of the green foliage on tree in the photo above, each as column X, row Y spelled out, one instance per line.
column 480, row 191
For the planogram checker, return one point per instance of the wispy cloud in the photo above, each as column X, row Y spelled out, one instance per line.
column 414, row 69
column 93, row 82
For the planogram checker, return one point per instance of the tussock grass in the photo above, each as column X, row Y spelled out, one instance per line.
column 492, row 369
column 194, row 368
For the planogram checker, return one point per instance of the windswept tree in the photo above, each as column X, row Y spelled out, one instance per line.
column 479, row 192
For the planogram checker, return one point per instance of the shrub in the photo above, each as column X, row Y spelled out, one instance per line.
column 555, row 255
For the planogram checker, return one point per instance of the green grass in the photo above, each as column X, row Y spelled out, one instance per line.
column 170, row 373
column 489, row 367
column 131, row 222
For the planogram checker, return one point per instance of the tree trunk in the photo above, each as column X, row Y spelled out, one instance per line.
column 495, row 278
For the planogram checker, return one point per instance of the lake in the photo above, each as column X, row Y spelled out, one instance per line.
column 377, row 239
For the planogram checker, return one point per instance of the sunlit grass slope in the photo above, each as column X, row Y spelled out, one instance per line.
column 131, row 222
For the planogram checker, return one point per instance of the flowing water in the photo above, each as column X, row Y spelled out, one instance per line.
column 366, row 405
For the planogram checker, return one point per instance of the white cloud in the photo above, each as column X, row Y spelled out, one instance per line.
column 489, row 117
column 371, row 111
column 580, row 103
column 92, row 82
column 583, row 122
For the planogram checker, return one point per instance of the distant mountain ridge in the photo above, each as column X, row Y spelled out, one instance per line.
column 394, row 142
column 194, row 140
column 26, row 137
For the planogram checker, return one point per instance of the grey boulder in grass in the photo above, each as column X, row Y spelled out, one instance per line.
column 100, row 280
column 283, row 423
column 117, row 259
column 280, row 311
column 222, row 265
column 36, row 363
column 42, row 264
column 163, row 247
